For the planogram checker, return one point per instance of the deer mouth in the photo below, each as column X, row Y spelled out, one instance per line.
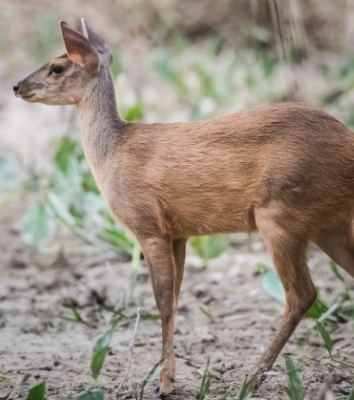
column 26, row 96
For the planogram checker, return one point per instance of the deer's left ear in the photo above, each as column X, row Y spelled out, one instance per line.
column 79, row 49
column 97, row 41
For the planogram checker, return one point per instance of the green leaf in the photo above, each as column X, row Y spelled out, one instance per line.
column 8, row 173
column 273, row 286
column 207, row 312
column 325, row 336
column 261, row 269
column 117, row 238
column 116, row 65
column 99, row 353
column 246, row 390
column 37, row 392
column 134, row 113
column 351, row 395
column 38, row 224
column 73, row 171
column 296, row 389
column 89, row 184
column 208, row 247
column 65, row 149
column 96, row 394
column 205, row 385
column 334, row 268
column 60, row 208
column 318, row 308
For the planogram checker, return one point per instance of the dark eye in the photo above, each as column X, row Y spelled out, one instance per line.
column 57, row 69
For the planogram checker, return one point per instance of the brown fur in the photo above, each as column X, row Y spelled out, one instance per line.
column 285, row 170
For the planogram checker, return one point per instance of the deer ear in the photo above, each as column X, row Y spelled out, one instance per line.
column 97, row 41
column 79, row 49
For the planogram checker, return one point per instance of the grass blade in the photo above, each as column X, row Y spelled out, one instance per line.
column 205, row 385
column 246, row 390
column 326, row 337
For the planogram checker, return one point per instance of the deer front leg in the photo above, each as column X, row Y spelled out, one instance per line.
column 158, row 252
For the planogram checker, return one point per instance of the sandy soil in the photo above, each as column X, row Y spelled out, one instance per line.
column 35, row 340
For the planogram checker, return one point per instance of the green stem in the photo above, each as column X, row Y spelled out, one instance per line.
column 342, row 362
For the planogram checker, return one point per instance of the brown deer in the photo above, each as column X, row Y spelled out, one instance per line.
column 286, row 171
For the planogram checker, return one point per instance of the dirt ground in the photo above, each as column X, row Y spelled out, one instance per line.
column 36, row 340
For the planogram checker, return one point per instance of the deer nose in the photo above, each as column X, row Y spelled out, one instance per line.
column 15, row 88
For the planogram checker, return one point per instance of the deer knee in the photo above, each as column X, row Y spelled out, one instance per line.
column 299, row 301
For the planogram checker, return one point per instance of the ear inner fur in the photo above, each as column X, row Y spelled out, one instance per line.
column 79, row 49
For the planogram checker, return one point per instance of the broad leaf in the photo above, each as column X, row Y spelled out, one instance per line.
column 99, row 353
column 318, row 308
column 208, row 247
column 66, row 148
column 134, row 113
column 60, row 208
column 351, row 395
column 295, row 389
column 273, row 286
column 38, row 224
column 37, row 392
column 325, row 336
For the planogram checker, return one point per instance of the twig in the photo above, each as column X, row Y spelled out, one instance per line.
column 131, row 346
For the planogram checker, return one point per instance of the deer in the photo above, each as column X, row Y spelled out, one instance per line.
column 285, row 171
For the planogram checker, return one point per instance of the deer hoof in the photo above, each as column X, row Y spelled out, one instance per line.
column 160, row 394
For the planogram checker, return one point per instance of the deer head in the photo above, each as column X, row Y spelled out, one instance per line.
column 72, row 77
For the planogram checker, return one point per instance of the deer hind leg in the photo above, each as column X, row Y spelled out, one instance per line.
column 338, row 244
column 288, row 249
column 179, row 253
column 158, row 252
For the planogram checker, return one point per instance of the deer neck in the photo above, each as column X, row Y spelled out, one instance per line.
column 101, row 125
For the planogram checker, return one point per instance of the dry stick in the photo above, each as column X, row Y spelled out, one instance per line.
column 131, row 346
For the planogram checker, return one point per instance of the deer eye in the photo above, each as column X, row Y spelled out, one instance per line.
column 57, row 69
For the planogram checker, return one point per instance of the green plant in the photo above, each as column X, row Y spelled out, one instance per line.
column 70, row 197
column 37, row 392
column 273, row 286
column 328, row 343
column 209, row 247
column 205, row 385
column 295, row 389
column 207, row 312
column 351, row 395
column 246, row 390
column 99, row 353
